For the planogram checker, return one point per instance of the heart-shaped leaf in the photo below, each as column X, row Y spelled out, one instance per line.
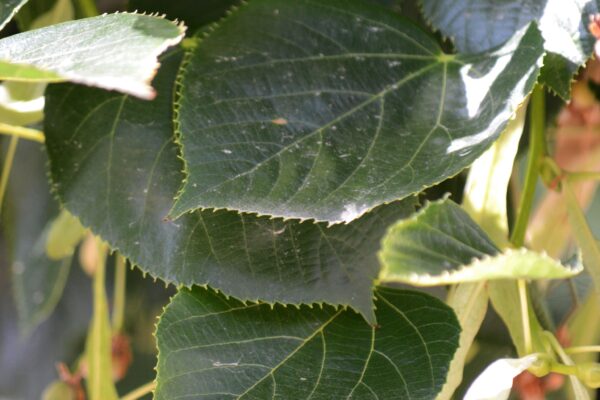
column 324, row 110
column 8, row 9
column 478, row 26
column 117, row 52
column 442, row 245
column 213, row 347
column 114, row 164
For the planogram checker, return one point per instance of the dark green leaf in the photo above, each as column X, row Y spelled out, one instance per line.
column 37, row 281
column 324, row 110
column 442, row 245
column 211, row 347
column 194, row 13
column 115, row 166
column 115, row 51
column 8, row 9
column 480, row 25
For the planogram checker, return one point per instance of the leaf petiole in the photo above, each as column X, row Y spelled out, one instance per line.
column 537, row 150
column 22, row 132
column 118, row 315
column 7, row 167
column 140, row 391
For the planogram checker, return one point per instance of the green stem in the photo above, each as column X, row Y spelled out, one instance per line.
column 583, row 176
column 525, row 315
column 88, row 8
column 140, row 392
column 7, row 167
column 21, row 132
column 118, row 315
column 537, row 150
column 582, row 349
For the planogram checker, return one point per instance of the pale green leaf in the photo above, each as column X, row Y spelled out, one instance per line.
column 218, row 348
column 487, row 184
column 306, row 109
column 117, row 52
column 470, row 303
column 115, row 166
column 441, row 245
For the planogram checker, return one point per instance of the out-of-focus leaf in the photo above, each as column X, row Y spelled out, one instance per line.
column 37, row 281
column 59, row 390
column 65, row 234
column 590, row 248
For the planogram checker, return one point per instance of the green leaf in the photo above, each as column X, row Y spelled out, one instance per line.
column 98, row 345
column 8, row 9
column 315, row 115
column 213, row 347
column 478, row 26
column 441, row 244
column 114, row 165
column 116, row 52
column 61, row 11
column 37, row 281
column 195, row 14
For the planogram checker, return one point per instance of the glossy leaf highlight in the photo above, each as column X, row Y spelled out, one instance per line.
column 313, row 115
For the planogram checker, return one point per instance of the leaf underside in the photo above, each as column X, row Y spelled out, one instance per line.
column 442, row 245
column 324, row 110
column 114, row 165
column 211, row 347
column 95, row 51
